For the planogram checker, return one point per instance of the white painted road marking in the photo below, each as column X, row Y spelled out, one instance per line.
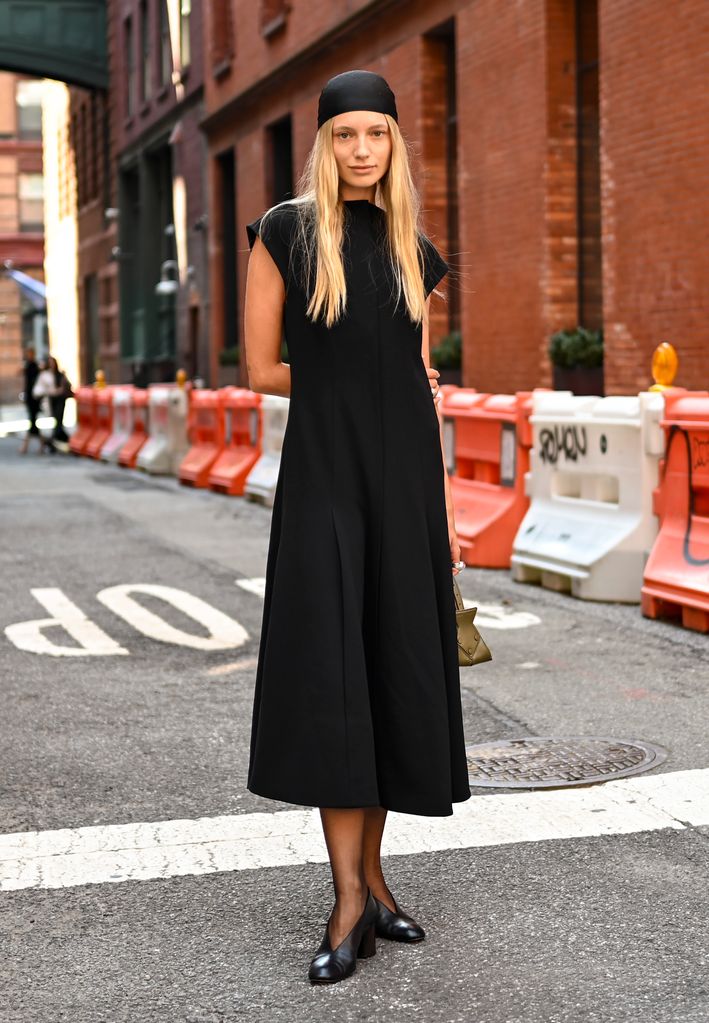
column 489, row 616
column 92, row 641
column 256, row 585
column 141, row 852
column 224, row 632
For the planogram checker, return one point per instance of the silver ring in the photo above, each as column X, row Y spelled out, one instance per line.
column 459, row 564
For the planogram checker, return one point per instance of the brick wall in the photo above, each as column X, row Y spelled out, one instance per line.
column 515, row 251
column 24, row 248
column 655, row 131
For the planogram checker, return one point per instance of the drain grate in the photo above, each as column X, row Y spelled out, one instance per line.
column 543, row 761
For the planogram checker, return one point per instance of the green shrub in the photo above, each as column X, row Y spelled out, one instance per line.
column 229, row 356
column 447, row 353
column 578, row 347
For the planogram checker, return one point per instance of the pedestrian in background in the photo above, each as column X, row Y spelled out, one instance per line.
column 44, row 390
column 57, row 400
column 30, row 372
column 357, row 706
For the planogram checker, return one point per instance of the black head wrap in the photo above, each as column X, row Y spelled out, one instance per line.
column 356, row 90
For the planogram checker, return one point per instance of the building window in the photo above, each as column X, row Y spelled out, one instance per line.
column 227, row 180
column 145, row 62
column 28, row 97
column 185, row 51
column 31, row 196
column 165, row 46
column 129, row 51
column 222, row 35
column 279, row 165
column 273, row 16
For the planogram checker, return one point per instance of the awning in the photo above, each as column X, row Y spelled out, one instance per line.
column 34, row 290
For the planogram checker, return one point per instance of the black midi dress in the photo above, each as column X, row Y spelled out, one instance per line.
column 357, row 696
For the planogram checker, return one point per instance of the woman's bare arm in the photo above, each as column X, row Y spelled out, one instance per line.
column 263, row 324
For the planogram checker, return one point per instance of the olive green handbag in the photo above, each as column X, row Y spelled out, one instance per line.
column 472, row 648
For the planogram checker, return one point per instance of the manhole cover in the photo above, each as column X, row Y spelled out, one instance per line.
column 543, row 761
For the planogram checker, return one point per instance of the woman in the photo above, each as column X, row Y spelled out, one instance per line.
column 45, row 387
column 357, row 700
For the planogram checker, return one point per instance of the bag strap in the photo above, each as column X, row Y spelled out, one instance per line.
column 460, row 606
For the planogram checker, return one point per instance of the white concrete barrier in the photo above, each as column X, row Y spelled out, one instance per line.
column 593, row 467
column 261, row 482
column 167, row 443
column 122, row 423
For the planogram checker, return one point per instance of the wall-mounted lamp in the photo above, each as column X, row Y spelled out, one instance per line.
column 167, row 285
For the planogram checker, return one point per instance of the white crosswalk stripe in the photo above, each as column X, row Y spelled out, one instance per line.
column 144, row 851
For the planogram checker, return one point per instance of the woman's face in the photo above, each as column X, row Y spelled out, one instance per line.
column 362, row 145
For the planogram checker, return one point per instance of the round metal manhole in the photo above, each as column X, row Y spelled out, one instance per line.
column 545, row 761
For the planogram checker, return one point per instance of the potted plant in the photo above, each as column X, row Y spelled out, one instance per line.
column 228, row 363
column 577, row 360
column 446, row 357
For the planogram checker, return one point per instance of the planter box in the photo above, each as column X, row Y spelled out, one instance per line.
column 227, row 376
column 579, row 379
column 450, row 376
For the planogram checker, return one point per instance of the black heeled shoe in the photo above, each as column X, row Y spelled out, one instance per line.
column 332, row 964
column 398, row 926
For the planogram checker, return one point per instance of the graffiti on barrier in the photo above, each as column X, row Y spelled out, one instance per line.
column 567, row 440
column 700, row 452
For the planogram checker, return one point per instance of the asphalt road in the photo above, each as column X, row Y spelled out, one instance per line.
column 584, row 928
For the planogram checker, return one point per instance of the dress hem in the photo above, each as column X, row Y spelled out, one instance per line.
column 391, row 808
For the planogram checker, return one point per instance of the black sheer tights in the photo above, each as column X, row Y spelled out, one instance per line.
column 353, row 838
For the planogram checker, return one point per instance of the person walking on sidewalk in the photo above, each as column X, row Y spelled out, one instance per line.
column 44, row 389
column 30, row 372
column 57, row 400
column 357, row 707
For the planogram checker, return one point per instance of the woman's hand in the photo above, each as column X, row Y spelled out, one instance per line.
column 433, row 374
column 455, row 547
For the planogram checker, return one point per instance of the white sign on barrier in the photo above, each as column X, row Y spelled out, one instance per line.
column 593, row 467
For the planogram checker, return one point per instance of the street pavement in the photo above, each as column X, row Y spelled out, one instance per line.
column 140, row 881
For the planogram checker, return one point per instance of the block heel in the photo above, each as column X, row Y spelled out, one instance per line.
column 368, row 944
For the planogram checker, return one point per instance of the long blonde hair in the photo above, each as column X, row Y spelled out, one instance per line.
column 320, row 226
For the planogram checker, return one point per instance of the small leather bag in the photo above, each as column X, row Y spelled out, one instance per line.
column 472, row 648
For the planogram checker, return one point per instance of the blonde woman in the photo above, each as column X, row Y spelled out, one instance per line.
column 357, row 704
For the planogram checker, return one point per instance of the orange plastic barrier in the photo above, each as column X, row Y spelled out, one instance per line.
column 243, row 428
column 103, row 422
column 676, row 577
column 490, row 443
column 86, row 422
column 139, row 430
column 205, row 429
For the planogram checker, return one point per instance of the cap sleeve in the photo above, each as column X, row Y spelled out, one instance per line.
column 434, row 265
column 276, row 235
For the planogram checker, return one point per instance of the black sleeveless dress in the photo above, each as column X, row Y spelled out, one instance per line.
column 357, row 696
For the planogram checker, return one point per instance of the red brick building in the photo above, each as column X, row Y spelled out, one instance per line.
column 141, row 197
column 562, row 154
column 21, row 225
